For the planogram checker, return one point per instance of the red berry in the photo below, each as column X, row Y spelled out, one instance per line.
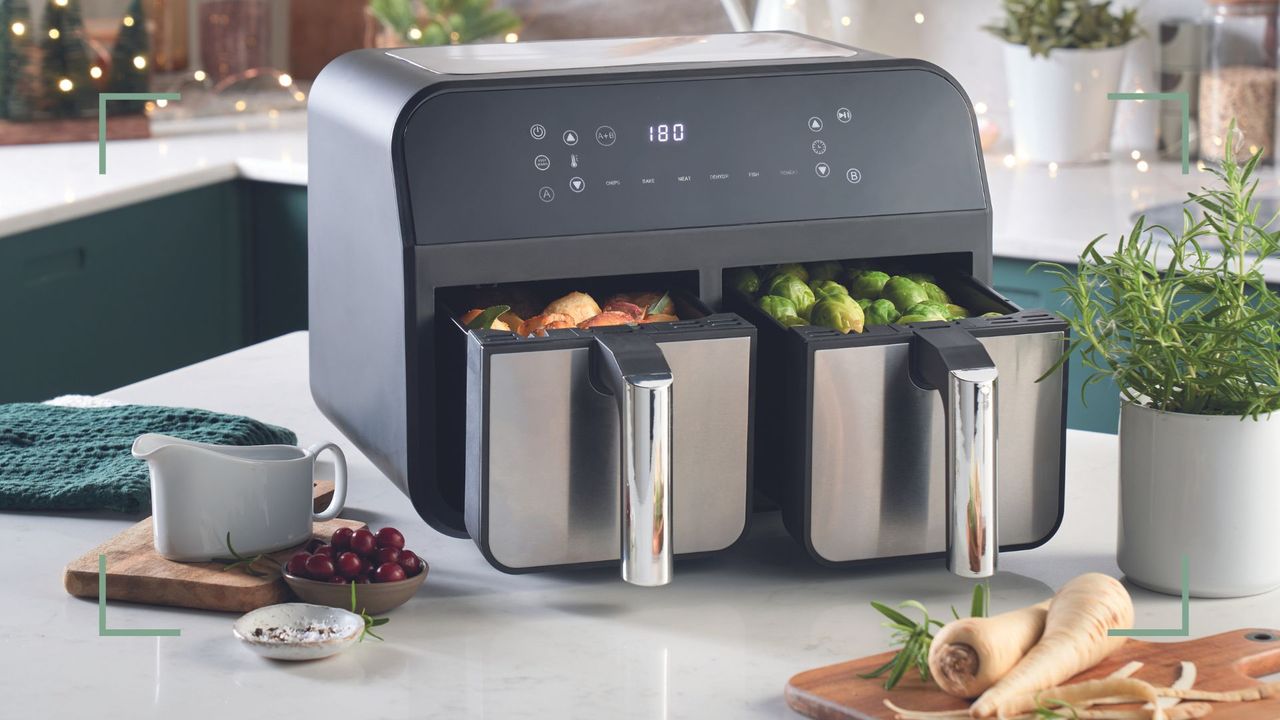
column 337, row 580
column 325, row 550
column 363, row 579
column 298, row 564
column 349, row 564
column 341, row 539
column 386, row 555
column 312, row 544
column 319, row 567
column 388, row 572
column 390, row 537
column 362, row 542
column 410, row 562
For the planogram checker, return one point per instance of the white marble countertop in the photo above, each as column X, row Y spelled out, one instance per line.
column 474, row 643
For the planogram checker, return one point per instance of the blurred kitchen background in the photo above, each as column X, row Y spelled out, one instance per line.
column 193, row 243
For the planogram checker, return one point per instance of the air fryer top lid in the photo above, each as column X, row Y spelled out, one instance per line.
column 617, row 52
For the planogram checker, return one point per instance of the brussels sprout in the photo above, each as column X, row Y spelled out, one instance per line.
column 881, row 312
column 792, row 320
column 869, row 284
column 930, row 309
column 920, row 277
column 838, row 314
column 777, row 307
column 934, row 292
column 956, row 312
column 908, row 319
column 795, row 269
column 745, row 279
column 865, row 303
column 829, row 270
column 794, row 289
column 992, row 314
column 828, row 288
column 903, row 292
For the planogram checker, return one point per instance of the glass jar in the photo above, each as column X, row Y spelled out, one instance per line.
column 1238, row 77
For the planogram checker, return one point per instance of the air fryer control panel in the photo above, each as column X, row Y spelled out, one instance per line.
column 486, row 164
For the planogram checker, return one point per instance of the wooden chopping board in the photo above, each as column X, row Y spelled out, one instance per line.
column 1223, row 662
column 137, row 573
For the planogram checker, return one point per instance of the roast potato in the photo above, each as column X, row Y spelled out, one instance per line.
column 610, row 317
column 538, row 324
column 577, row 305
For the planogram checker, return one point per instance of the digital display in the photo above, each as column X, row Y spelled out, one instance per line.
column 666, row 133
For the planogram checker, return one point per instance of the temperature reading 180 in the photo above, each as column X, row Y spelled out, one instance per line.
column 665, row 133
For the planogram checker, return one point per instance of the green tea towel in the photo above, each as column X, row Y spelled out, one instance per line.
column 69, row 458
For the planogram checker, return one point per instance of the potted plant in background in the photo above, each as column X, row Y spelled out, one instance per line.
column 1186, row 325
column 1061, row 59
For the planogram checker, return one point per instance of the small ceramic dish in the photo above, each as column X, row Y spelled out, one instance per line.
column 373, row 598
column 298, row 631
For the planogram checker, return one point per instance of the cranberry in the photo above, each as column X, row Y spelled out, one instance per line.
column 363, row 579
column 386, row 555
column 319, row 567
column 349, row 564
column 388, row 572
column 389, row 537
column 298, row 564
column 325, row 550
column 411, row 563
column 337, row 580
column 341, row 539
column 362, row 542
column 312, row 544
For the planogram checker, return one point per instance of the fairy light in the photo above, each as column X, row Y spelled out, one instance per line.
column 199, row 76
column 1136, row 155
column 65, row 85
column 60, row 3
column 139, row 62
column 18, row 28
column 1143, row 166
column 1053, row 169
column 919, row 18
column 54, row 34
column 454, row 37
column 162, row 103
column 1010, row 161
column 846, row 21
column 285, row 79
column 128, row 21
column 241, row 105
column 980, row 108
column 415, row 33
column 512, row 37
column 95, row 72
column 299, row 96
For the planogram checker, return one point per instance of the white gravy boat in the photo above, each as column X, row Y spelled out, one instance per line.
column 260, row 494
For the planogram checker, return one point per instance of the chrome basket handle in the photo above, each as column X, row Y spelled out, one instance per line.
column 632, row 367
column 953, row 362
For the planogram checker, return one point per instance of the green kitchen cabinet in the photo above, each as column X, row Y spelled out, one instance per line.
column 1034, row 288
column 276, row 228
column 101, row 301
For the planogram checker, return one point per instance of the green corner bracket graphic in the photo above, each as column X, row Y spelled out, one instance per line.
column 1185, row 101
column 103, row 630
column 1185, row 630
column 102, row 118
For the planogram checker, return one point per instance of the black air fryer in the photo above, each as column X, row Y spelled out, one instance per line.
column 446, row 174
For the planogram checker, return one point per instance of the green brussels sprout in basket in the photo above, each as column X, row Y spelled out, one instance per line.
column 745, row 279
column 841, row 314
column 829, row 270
column 795, row 290
column 903, row 292
column 881, row 312
column 794, row 269
column 823, row 289
column 868, row 284
column 778, row 307
column 935, row 293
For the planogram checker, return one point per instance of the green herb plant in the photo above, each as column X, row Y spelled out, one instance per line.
column 1179, row 328
column 247, row 563
column 916, row 637
column 369, row 622
column 443, row 22
column 1045, row 25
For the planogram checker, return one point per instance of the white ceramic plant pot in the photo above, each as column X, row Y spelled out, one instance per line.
column 1204, row 486
column 1059, row 104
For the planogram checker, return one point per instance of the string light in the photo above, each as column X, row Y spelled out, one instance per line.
column 60, row 3
column 285, row 79
column 241, row 105
column 846, row 21
column 139, row 62
column 512, row 37
column 199, row 76
column 65, row 85
column 299, row 96
column 18, row 28
column 980, row 108
column 1010, row 161
column 1136, row 155
column 919, row 18
column 1143, row 166
column 454, row 37
column 162, row 103
column 95, row 72
column 415, row 33
column 128, row 21
column 1053, row 169
column 53, row 33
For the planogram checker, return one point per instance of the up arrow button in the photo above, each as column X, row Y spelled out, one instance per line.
column 815, row 124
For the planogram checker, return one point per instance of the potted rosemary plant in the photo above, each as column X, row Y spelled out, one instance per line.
column 1184, row 323
column 1061, row 58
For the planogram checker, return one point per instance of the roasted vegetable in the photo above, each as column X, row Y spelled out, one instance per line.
column 881, row 312
column 934, row 292
column 903, row 292
column 778, row 307
column 841, row 314
column 658, row 317
column 795, row 269
column 991, row 314
column 930, row 309
column 865, row 303
column 829, row 270
column 920, row 277
column 745, row 279
column 868, row 284
column 539, row 324
column 827, row 288
column 794, row 289
column 956, row 312
column 619, row 305
column 486, row 319
column 577, row 305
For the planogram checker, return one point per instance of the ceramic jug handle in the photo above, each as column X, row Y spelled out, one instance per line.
column 339, row 479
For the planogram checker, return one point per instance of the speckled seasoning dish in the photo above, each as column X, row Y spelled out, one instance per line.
column 298, row 631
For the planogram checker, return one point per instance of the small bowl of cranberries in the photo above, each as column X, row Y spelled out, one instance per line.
column 386, row 574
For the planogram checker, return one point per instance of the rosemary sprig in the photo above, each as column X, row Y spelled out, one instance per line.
column 369, row 622
column 915, row 637
column 247, row 563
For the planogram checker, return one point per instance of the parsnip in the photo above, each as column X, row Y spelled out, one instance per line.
column 970, row 655
column 1075, row 639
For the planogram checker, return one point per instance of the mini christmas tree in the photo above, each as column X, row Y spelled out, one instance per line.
column 19, row 86
column 130, row 61
column 443, row 22
column 67, row 87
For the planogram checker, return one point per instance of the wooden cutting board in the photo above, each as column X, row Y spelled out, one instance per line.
column 1223, row 662
column 136, row 573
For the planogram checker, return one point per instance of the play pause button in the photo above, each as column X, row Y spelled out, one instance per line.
column 822, row 169
column 577, row 185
